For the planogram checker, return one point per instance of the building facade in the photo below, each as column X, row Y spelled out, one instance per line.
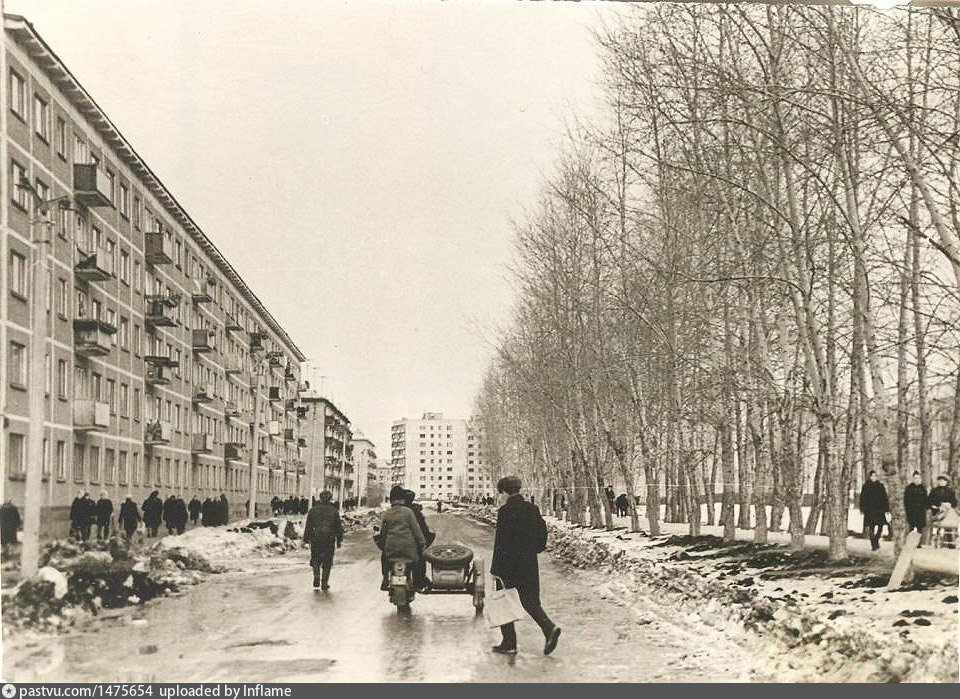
column 327, row 453
column 365, row 461
column 163, row 368
column 439, row 457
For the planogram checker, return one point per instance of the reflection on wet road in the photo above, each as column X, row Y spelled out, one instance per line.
column 268, row 625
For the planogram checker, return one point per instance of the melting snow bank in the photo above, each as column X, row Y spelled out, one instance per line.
column 78, row 581
column 829, row 621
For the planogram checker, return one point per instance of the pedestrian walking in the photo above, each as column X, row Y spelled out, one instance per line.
column 942, row 494
column 9, row 524
column 180, row 515
column 89, row 508
column 152, row 513
column 520, row 535
column 169, row 514
column 129, row 516
column 224, row 512
column 76, row 516
column 611, row 496
column 104, row 514
column 874, row 504
column 206, row 513
column 324, row 532
column 915, row 503
column 194, row 508
column 622, row 505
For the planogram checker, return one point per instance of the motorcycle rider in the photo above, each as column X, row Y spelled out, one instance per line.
column 420, row 569
column 400, row 536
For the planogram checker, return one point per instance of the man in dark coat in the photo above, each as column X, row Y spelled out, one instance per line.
column 224, row 510
column 521, row 534
column 275, row 505
column 874, row 504
column 324, row 532
column 623, row 505
column 152, row 513
column 129, row 516
column 915, row 503
column 195, row 508
column 104, row 513
column 9, row 523
column 89, row 516
column 76, row 516
column 942, row 494
column 180, row 510
column 304, row 506
column 169, row 514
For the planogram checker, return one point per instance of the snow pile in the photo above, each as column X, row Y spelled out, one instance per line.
column 831, row 621
column 79, row 580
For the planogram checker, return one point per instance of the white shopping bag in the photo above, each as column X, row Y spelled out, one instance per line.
column 502, row 606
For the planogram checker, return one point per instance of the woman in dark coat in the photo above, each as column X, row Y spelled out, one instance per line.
column 206, row 513
column 152, row 513
column 915, row 503
column 195, row 508
column 874, row 504
column 129, row 516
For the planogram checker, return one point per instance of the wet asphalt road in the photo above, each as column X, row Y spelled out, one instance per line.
column 267, row 624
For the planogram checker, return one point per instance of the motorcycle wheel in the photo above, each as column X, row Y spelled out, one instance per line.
column 478, row 584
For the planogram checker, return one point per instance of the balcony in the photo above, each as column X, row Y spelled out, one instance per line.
column 302, row 412
column 203, row 341
column 274, row 394
column 202, row 444
column 161, row 360
column 157, row 376
column 256, row 340
column 235, row 451
column 91, row 337
column 158, row 248
column 273, row 428
column 288, row 435
column 289, row 376
column 91, row 415
column 277, row 359
column 301, row 443
column 91, row 186
column 231, row 324
column 202, row 291
column 159, row 311
column 158, row 432
column 203, row 394
column 94, row 266
column 289, row 405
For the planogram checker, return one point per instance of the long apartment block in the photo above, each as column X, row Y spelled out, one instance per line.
column 158, row 353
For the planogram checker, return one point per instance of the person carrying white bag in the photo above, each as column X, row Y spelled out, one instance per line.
column 521, row 534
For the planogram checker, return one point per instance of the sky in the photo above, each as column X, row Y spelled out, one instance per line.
column 359, row 163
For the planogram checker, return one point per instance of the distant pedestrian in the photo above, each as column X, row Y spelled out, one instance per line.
column 129, row 516
column 89, row 516
column 915, row 503
column 207, row 512
column 169, row 514
column 194, row 509
column 610, row 495
column 104, row 513
column 274, row 505
column 520, row 535
column 324, row 532
column 304, row 506
column 942, row 494
column 76, row 516
column 224, row 517
column 623, row 505
column 152, row 513
column 874, row 504
column 9, row 523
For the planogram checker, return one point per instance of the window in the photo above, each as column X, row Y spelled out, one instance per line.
column 112, row 396
column 137, row 212
column 18, row 195
column 41, row 117
column 78, row 465
column 125, row 267
column 137, row 276
column 122, row 468
column 43, row 191
column 61, row 460
column 137, row 339
column 47, row 373
column 18, row 365
column 109, row 465
column 18, row 274
column 18, row 95
column 124, row 399
column 136, row 468
column 61, row 297
column 94, row 464
column 112, row 322
column 124, row 332
column 60, row 137
column 45, row 459
column 81, row 154
column 178, row 257
column 112, row 254
column 136, row 403
column 124, row 200
column 62, row 379
column 112, row 176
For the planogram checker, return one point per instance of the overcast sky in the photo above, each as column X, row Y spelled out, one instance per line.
column 357, row 162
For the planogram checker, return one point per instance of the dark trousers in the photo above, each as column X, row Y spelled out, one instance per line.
column 129, row 529
column 321, row 558
column 530, row 599
column 875, row 531
column 103, row 530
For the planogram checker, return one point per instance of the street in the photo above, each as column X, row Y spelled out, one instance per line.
column 266, row 624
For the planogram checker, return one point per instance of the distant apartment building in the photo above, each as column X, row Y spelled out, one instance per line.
column 328, row 453
column 439, row 457
column 365, row 463
column 158, row 354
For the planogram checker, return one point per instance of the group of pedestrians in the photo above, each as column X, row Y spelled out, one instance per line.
column 173, row 513
column 917, row 503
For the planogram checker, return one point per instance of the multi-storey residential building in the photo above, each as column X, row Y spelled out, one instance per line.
column 365, row 461
column 158, row 354
column 438, row 457
column 328, row 453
